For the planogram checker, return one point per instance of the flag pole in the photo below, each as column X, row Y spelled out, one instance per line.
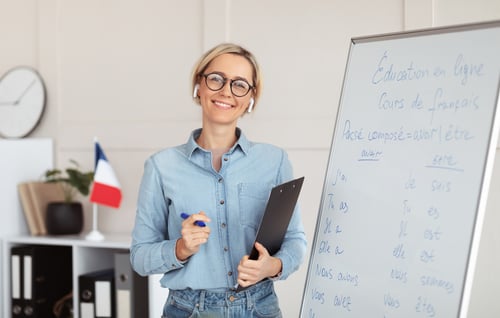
column 94, row 235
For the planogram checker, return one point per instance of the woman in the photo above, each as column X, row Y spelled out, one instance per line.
column 200, row 203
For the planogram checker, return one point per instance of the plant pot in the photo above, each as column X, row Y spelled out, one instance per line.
column 64, row 218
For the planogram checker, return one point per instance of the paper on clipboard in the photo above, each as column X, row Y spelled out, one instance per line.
column 277, row 215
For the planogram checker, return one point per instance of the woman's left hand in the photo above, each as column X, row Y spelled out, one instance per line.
column 253, row 271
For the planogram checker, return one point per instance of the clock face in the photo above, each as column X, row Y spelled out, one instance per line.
column 22, row 101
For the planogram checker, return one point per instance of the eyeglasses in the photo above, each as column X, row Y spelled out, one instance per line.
column 215, row 82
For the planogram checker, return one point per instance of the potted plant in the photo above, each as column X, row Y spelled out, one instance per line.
column 66, row 217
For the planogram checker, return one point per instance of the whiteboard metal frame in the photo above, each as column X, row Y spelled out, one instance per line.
column 481, row 209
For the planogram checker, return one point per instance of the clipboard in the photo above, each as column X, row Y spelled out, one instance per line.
column 274, row 223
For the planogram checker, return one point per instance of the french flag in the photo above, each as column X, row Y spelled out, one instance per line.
column 106, row 189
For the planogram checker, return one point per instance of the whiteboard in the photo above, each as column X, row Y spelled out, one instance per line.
column 407, row 179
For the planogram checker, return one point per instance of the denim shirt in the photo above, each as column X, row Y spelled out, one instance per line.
column 182, row 179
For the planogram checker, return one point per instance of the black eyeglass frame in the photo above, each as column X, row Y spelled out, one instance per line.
column 224, row 81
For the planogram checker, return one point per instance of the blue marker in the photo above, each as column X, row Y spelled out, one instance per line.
column 199, row 223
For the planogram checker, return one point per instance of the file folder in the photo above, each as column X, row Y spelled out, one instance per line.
column 96, row 294
column 41, row 275
column 131, row 289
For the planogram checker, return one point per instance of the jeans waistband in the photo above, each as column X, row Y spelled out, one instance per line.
column 218, row 298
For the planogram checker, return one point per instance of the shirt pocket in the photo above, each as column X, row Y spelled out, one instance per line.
column 253, row 200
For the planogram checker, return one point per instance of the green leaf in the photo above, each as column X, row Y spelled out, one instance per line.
column 74, row 182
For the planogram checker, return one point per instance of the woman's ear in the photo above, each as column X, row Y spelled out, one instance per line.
column 195, row 90
column 250, row 106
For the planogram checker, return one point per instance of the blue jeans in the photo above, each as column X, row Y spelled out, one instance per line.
column 259, row 300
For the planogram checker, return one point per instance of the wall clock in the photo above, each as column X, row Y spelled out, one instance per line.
column 22, row 101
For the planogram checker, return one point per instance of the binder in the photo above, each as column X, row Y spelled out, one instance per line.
column 131, row 289
column 16, row 281
column 41, row 275
column 96, row 294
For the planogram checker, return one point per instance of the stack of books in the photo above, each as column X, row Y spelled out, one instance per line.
column 34, row 197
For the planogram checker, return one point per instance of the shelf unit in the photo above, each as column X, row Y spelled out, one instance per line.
column 88, row 256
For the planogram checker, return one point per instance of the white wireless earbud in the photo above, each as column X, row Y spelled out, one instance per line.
column 250, row 106
column 195, row 90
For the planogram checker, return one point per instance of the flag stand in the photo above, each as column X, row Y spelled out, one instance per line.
column 94, row 235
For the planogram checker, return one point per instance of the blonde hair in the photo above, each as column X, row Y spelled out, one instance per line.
column 228, row 48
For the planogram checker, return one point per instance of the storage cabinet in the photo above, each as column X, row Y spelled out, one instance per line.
column 88, row 256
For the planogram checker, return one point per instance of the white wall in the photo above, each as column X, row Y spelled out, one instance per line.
column 119, row 70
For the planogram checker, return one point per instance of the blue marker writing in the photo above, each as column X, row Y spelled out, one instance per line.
column 199, row 223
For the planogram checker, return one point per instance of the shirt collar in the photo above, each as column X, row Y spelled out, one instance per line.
column 243, row 143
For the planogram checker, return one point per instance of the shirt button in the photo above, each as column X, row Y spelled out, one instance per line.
column 226, row 159
column 221, row 201
column 223, row 225
column 232, row 298
column 226, row 249
column 229, row 273
column 220, row 180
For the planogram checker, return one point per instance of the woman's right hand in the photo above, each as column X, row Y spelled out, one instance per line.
column 192, row 236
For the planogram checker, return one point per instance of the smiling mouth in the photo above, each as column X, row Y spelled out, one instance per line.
column 223, row 105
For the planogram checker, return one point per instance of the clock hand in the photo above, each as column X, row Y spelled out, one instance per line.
column 7, row 103
column 24, row 92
